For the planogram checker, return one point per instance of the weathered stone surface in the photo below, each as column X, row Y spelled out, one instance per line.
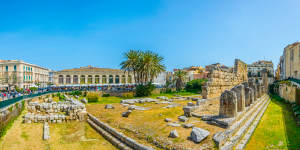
column 240, row 94
column 189, row 125
column 248, row 96
column 162, row 97
column 187, row 111
column 109, row 106
column 174, row 124
column 46, row 134
column 228, row 104
column 190, row 104
column 183, row 118
column 195, row 99
column 173, row 134
column 84, row 101
column 126, row 114
column 198, row 134
column 199, row 102
column 168, row 120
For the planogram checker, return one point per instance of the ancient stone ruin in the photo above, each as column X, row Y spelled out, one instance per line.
column 240, row 110
column 221, row 78
column 55, row 112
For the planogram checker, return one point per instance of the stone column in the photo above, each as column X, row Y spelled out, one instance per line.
column 64, row 79
column 93, row 79
column 100, row 79
column 240, row 94
column 228, row 104
column 71, row 76
column 248, row 96
column 86, row 79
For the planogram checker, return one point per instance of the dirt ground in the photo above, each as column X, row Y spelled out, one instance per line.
column 149, row 125
column 66, row 136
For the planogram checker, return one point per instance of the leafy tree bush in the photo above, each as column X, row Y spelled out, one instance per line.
column 144, row 90
column 78, row 93
column 195, row 85
column 106, row 95
column 92, row 97
column 60, row 96
column 33, row 88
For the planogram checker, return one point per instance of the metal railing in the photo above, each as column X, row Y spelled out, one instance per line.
column 11, row 101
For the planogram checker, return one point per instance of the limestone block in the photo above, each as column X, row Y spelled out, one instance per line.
column 240, row 94
column 228, row 104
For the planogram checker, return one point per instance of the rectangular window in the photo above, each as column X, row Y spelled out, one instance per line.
column 15, row 67
column 6, row 68
column 24, row 78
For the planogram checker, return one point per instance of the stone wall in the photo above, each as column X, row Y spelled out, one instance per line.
column 288, row 92
column 9, row 113
column 220, row 80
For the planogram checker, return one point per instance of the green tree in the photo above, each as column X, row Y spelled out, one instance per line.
column 179, row 77
column 145, row 66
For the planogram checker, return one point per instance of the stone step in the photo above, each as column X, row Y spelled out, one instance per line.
column 241, row 117
column 242, row 143
column 115, row 141
column 235, row 138
column 222, row 137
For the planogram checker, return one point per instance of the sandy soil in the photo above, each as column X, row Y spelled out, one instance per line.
column 149, row 125
column 66, row 136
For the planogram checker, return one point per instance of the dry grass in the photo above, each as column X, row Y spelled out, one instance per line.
column 65, row 136
column 150, row 124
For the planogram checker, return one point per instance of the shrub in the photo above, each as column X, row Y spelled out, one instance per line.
column 92, row 97
column 78, row 93
column 105, row 95
column 33, row 88
column 195, row 85
column 60, row 96
column 144, row 90
column 127, row 95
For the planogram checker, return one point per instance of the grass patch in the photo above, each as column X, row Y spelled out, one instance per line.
column 107, row 100
column 277, row 128
column 24, row 135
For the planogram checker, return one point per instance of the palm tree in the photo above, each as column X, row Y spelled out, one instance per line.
column 179, row 79
column 131, row 63
column 145, row 66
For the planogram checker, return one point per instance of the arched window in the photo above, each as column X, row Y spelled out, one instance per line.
column 97, row 79
column 82, row 79
column 117, row 79
column 129, row 79
column 104, row 79
column 111, row 79
column 75, row 79
column 68, row 79
column 60, row 79
column 90, row 79
column 123, row 80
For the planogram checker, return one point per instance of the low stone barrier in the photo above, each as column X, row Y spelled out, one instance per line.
column 46, row 135
column 128, row 141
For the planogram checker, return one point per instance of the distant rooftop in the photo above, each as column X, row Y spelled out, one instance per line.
column 91, row 68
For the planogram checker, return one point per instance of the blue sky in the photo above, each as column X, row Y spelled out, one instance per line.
column 61, row 34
